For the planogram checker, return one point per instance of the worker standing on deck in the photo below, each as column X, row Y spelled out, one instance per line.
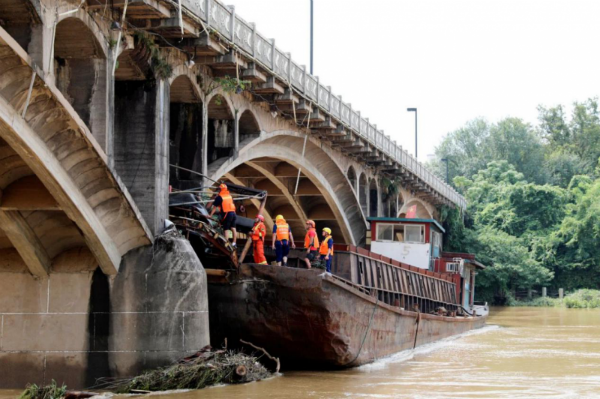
column 259, row 231
column 311, row 243
column 326, row 249
column 282, row 239
column 224, row 202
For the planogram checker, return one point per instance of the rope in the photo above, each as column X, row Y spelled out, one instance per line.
column 366, row 332
column 180, row 17
column 194, row 172
column 116, row 53
column 417, row 330
column 305, row 140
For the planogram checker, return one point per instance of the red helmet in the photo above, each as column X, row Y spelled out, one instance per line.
column 311, row 222
column 261, row 218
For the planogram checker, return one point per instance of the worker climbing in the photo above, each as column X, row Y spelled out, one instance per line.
column 311, row 243
column 326, row 249
column 224, row 203
column 259, row 231
column 282, row 240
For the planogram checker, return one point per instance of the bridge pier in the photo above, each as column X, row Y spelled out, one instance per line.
column 78, row 324
column 141, row 137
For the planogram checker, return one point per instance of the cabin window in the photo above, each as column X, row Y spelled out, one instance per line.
column 414, row 233
column 400, row 232
column 385, row 232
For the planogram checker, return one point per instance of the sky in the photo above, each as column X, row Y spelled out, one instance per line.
column 454, row 60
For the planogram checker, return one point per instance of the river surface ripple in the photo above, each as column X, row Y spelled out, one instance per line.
column 522, row 353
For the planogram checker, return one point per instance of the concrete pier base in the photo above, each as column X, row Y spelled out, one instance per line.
column 79, row 324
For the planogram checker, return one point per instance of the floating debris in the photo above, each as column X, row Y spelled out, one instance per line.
column 204, row 368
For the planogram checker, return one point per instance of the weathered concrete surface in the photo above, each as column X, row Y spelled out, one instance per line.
column 159, row 306
column 141, row 123
column 79, row 324
column 42, row 135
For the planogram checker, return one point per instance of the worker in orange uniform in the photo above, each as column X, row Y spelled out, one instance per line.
column 259, row 231
column 282, row 239
column 311, row 243
column 224, row 203
column 326, row 249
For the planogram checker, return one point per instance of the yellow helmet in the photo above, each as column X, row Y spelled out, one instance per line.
column 278, row 217
column 327, row 230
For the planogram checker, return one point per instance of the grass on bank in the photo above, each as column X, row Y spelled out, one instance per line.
column 580, row 299
column 51, row 391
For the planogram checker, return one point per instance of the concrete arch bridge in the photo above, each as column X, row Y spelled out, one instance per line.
column 97, row 99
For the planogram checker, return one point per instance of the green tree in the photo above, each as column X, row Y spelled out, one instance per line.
column 465, row 148
column 572, row 251
column 506, row 216
column 471, row 147
column 573, row 146
column 515, row 141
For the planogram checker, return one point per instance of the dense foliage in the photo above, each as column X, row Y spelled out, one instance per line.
column 580, row 299
column 534, row 199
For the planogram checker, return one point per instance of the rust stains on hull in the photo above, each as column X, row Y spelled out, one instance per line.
column 308, row 317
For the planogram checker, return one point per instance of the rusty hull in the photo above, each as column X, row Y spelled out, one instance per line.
column 309, row 318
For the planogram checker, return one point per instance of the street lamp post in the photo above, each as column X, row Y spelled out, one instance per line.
column 415, row 111
column 446, row 161
column 311, row 36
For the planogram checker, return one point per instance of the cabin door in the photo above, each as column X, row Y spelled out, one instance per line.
column 467, row 294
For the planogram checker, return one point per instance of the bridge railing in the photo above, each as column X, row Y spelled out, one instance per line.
column 247, row 39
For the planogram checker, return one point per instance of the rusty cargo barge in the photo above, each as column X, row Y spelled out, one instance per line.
column 370, row 306
column 355, row 315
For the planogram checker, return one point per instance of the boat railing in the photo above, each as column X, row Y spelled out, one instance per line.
column 396, row 284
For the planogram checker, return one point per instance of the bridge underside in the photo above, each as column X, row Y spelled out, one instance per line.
column 320, row 191
column 57, row 193
column 279, row 178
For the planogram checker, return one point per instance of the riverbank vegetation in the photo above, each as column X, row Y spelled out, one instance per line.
column 533, row 215
column 580, row 299
column 50, row 391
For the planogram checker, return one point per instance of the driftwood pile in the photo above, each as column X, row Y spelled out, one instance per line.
column 205, row 368
column 202, row 369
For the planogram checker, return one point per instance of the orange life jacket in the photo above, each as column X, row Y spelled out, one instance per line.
column 324, row 250
column 227, row 205
column 283, row 230
column 259, row 231
column 315, row 239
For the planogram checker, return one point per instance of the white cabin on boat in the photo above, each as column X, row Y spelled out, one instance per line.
column 412, row 241
column 419, row 243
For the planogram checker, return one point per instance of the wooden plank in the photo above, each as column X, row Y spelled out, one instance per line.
column 23, row 238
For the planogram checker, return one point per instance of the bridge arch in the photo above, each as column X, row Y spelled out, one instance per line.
column 221, row 119
column 363, row 194
column 352, row 178
column 373, row 198
column 423, row 211
column 185, row 124
column 249, row 125
column 183, row 89
column 56, row 165
column 324, row 194
column 79, row 66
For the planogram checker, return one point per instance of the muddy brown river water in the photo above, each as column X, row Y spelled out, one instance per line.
column 522, row 353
